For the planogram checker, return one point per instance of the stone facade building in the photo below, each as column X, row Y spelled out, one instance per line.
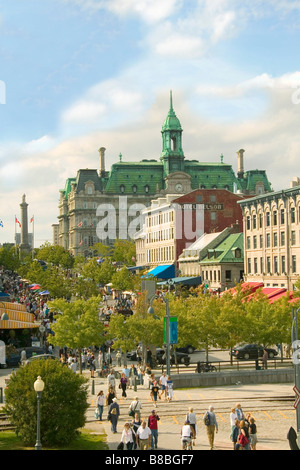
column 272, row 238
column 103, row 205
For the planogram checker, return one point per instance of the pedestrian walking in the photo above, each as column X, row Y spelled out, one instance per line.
column 163, row 385
column 265, row 359
column 111, row 380
column 123, row 385
column 211, row 424
column 110, row 396
column 127, row 437
column 235, row 431
column 100, row 404
column 154, row 393
column 239, row 412
column 113, row 415
column 252, row 433
column 135, row 407
column 170, row 389
column 136, row 423
column 153, row 426
column 233, row 417
column 192, row 419
column 119, row 358
column 244, row 440
column 143, row 436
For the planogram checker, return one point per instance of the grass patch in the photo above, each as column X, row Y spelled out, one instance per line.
column 85, row 441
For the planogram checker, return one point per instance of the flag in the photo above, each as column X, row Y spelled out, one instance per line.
column 1, row 223
column 17, row 222
column 80, row 243
column 32, row 219
column 80, row 224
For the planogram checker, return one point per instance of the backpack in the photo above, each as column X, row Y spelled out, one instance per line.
column 207, row 419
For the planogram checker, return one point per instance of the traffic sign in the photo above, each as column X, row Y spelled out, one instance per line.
column 298, row 397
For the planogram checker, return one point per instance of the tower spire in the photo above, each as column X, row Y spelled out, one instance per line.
column 171, row 101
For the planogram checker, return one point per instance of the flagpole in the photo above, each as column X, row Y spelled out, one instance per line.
column 15, row 236
column 33, row 237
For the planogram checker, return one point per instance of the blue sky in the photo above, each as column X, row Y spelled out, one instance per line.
column 82, row 74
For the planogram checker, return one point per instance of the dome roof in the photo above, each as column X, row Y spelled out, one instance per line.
column 172, row 122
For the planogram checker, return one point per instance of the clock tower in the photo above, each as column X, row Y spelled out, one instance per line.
column 172, row 154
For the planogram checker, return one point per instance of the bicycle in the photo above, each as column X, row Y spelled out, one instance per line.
column 187, row 444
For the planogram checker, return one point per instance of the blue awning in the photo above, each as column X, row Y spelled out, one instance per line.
column 162, row 272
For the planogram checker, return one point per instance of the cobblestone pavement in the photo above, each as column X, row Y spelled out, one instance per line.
column 274, row 416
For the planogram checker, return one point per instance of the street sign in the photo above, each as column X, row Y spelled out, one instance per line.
column 298, row 397
column 173, row 330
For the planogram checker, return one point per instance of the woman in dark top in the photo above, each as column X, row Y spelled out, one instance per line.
column 135, row 423
column 253, row 434
column 245, row 432
column 110, row 396
column 123, row 384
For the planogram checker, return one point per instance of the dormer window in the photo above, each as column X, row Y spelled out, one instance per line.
column 134, row 188
column 122, row 188
column 146, row 189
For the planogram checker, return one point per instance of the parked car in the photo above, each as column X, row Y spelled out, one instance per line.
column 252, row 351
column 182, row 358
column 189, row 349
column 41, row 356
column 14, row 359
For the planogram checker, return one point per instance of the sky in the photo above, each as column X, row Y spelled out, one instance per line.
column 77, row 75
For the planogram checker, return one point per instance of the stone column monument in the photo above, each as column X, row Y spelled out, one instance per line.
column 24, row 245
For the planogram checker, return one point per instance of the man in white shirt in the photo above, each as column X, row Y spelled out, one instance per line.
column 163, row 385
column 111, row 380
column 143, row 436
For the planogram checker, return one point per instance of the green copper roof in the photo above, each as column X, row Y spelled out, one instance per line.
column 225, row 252
column 172, row 122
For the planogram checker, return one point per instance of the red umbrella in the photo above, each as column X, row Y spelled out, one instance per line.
column 36, row 287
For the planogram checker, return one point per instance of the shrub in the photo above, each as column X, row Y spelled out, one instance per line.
column 63, row 402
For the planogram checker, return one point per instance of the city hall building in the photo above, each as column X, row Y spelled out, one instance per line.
column 104, row 205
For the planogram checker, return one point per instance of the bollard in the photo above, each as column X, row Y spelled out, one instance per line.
column 134, row 384
column 1, row 395
column 93, row 387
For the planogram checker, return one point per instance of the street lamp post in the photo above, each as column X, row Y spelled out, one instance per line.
column 296, row 352
column 151, row 311
column 38, row 387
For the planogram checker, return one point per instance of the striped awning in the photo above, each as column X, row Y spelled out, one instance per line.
column 17, row 317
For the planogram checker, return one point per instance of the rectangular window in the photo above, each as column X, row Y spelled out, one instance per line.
column 255, row 265
column 275, row 218
column 254, row 222
column 268, row 241
column 268, row 219
column 261, row 242
column 282, row 238
column 255, row 242
column 283, row 264
column 268, row 264
column 249, row 265
column 228, row 276
column 293, row 237
column 282, row 216
column 248, row 224
column 294, row 264
column 275, row 239
column 275, row 264
column 248, row 243
column 293, row 215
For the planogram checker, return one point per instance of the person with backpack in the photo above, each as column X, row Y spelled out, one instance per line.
column 211, row 424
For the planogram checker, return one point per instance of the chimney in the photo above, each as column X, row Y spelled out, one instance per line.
column 240, row 173
column 102, row 161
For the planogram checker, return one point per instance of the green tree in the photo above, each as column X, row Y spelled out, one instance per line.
column 77, row 324
column 63, row 405
column 55, row 255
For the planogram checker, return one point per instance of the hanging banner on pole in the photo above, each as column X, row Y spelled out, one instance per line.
column 173, row 330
